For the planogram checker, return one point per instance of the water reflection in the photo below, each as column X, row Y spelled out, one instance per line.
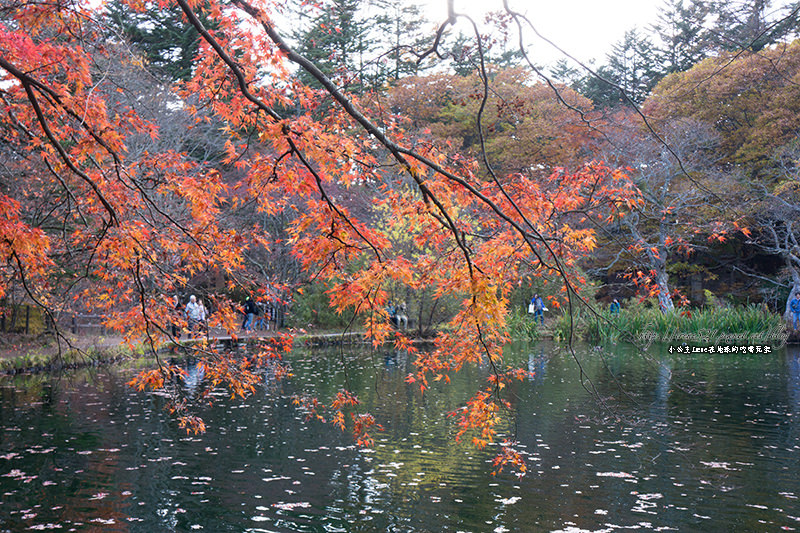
column 395, row 359
column 793, row 379
column 708, row 443
column 660, row 405
column 195, row 373
column 537, row 366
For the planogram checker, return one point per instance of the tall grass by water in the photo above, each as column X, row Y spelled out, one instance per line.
column 521, row 325
column 748, row 322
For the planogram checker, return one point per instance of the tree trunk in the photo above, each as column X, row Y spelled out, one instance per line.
column 664, row 298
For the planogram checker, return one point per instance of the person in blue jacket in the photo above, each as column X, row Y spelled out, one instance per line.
column 538, row 308
column 614, row 307
column 795, row 308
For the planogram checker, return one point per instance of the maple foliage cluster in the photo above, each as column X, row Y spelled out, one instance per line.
column 104, row 212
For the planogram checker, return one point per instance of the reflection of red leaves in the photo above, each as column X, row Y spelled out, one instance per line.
column 154, row 379
column 362, row 423
column 312, row 407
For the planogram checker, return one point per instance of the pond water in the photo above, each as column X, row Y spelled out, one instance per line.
column 663, row 442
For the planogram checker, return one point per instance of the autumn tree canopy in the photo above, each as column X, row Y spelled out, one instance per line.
column 748, row 99
column 529, row 127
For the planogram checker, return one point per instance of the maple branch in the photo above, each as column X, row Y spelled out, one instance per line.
column 59, row 335
column 70, row 195
column 327, row 198
column 243, row 87
column 351, row 110
column 24, row 129
column 559, row 267
column 28, row 83
column 143, row 304
column 227, row 59
column 56, row 100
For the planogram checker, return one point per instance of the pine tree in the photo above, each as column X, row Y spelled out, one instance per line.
column 402, row 34
column 634, row 65
column 600, row 88
column 628, row 76
column 565, row 73
column 683, row 35
column 337, row 40
column 753, row 24
column 168, row 42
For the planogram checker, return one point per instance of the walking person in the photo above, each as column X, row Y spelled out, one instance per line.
column 402, row 316
column 177, row 307
column 195, row 314
column 538, row 308
column 250, row 312
column 392, row 311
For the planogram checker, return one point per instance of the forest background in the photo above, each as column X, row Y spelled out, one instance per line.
column 698, row 108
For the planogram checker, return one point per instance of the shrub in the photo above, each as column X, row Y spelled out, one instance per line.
column 312, row 309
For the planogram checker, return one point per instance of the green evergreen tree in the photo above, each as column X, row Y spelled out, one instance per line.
column 337, row 40
column 460, row 52
column 634, row 64
column 753, row 24
column 631, row 71
column 565, row 73
column 601, row 88
column 168, row 42
column 402, row 35
column 683, row 34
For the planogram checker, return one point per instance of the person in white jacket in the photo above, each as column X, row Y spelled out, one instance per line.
column 195, row 313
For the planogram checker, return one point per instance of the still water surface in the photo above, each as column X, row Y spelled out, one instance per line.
column 664, row 442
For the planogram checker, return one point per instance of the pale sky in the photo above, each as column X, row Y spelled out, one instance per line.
column 584, row 28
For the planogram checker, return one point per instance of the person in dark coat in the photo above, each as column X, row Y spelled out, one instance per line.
column 250, row 311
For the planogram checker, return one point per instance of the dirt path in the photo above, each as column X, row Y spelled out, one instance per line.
column 13, row 346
